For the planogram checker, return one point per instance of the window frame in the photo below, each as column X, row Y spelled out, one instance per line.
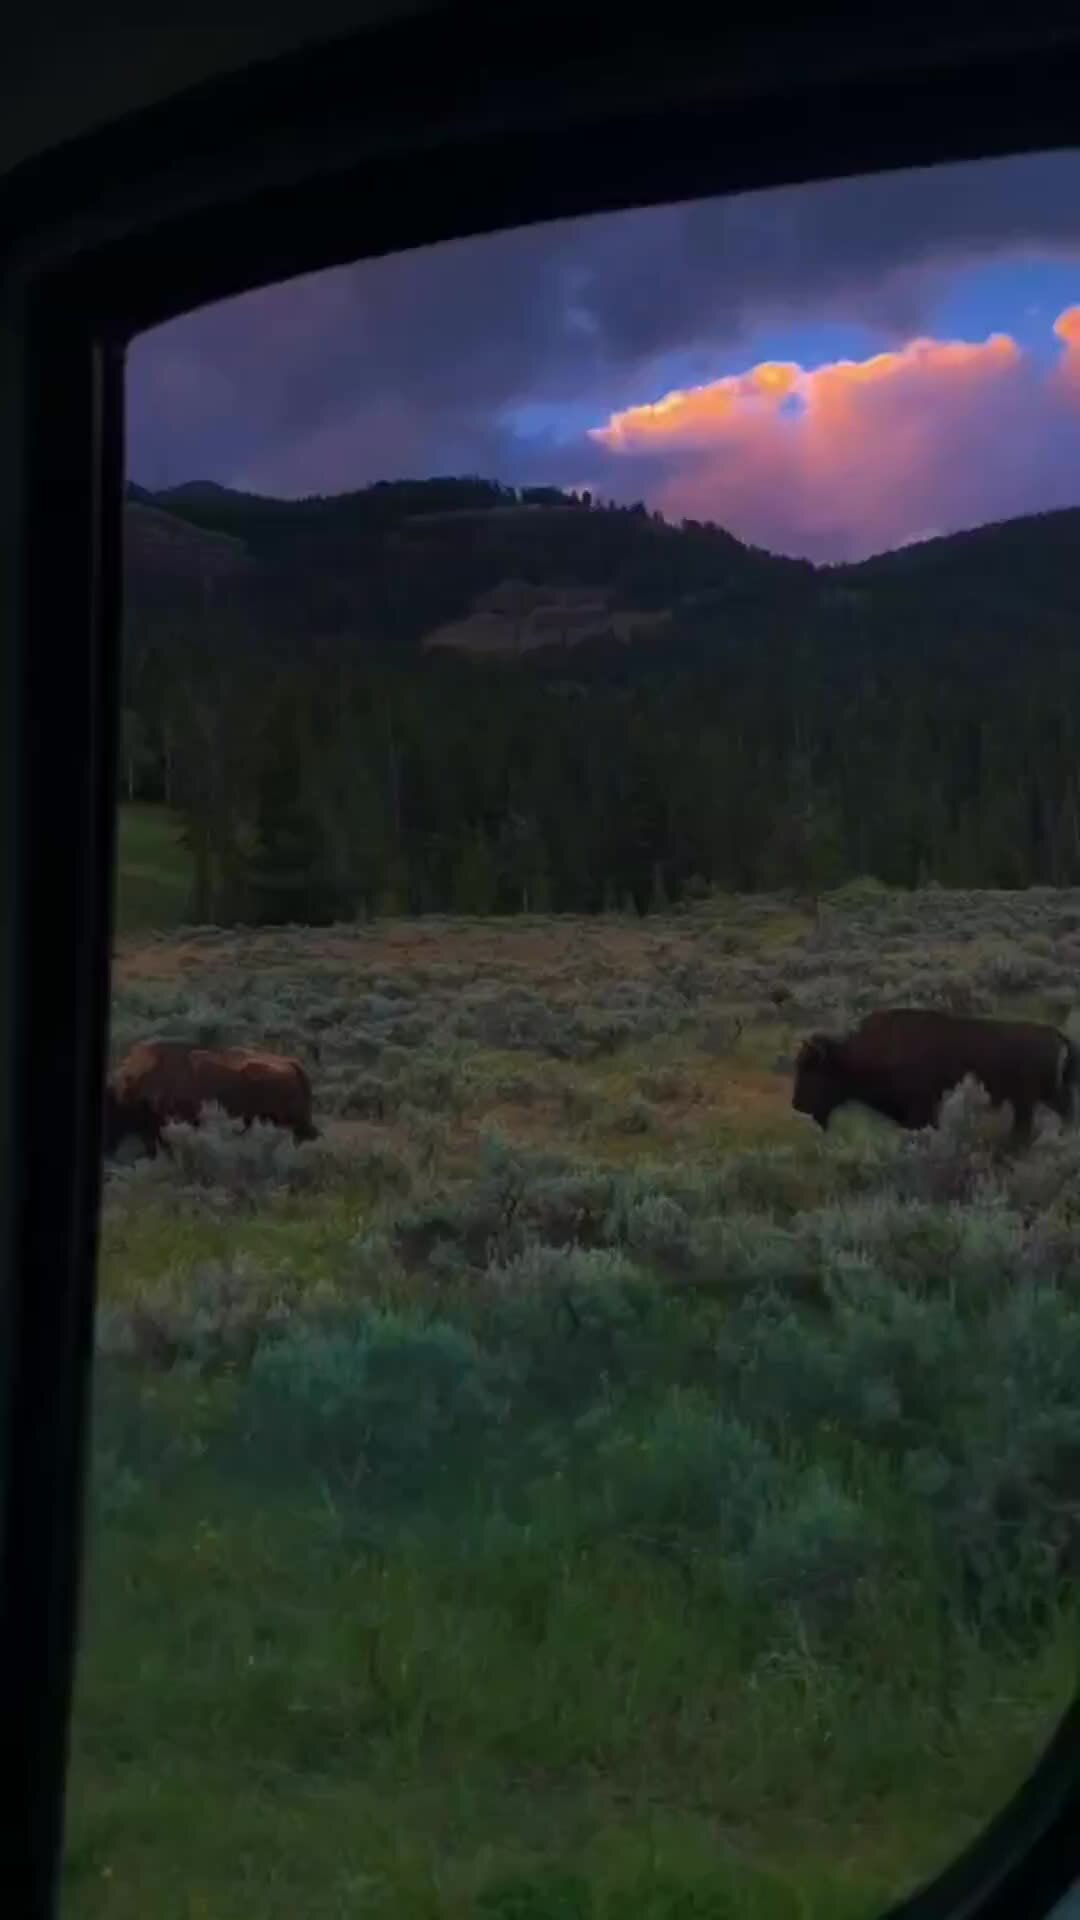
column 394, row 138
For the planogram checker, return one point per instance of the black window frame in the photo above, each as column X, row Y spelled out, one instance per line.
column 464, row 119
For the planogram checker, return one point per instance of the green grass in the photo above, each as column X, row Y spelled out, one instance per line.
column 277, row 1716
column 528, row 1683
column 153, row 882
column 304, row 1234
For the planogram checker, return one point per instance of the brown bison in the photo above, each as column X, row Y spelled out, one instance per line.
column 903, row 1062
column 163, row 1080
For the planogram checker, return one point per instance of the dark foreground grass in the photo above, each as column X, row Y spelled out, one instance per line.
column 496, row 1708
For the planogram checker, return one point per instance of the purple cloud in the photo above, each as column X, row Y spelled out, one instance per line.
column 415, row 364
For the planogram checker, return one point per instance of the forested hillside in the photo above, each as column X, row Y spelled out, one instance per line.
column 449, row 695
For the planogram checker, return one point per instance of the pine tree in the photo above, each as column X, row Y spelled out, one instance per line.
column 392, row 898
column 540, row 889
column 287, row 876
column 475, row 878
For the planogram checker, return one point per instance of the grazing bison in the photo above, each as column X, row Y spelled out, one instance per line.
column 163, row 1080
column 902, row 1063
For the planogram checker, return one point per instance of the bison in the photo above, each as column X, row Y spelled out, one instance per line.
column 903, row 1062
column 163, row 1080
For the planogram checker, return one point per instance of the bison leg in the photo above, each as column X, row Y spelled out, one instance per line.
column 147, row 1129
column 1023, row 1121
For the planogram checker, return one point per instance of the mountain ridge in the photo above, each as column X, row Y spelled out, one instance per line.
column 420, row 566
column 194, row 500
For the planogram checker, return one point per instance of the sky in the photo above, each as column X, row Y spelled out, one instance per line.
column 827, row 371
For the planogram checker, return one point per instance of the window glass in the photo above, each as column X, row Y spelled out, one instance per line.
column 583, row 1423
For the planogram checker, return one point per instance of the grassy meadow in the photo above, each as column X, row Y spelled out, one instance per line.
column 571, row 1487
column 153, row 871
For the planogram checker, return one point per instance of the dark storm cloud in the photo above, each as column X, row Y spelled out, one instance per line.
column 408, row 365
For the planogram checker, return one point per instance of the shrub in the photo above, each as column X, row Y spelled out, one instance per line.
column 955, row 1159
column 1012, row 971
column 567, row 1209
column 764, row 1180
column 957, row 993
column 382, row 1404
column 220, row 1152
column 364, row 1097
column 430, row 1134
column 654, row 1228
column 1048, row 1175
column 687, row 1470
column 384, row 1167
column 811, row 1554
column 225, row 1314
column 518, row 1090
column 578, row 1105
column 661, row 1084
column 545, row 1894
column 369, row 1261
column 721, row 1037
column 429, row 1081
column 357, row 1047
column 578, row 1325
column 862, row 894
column 515, row 1019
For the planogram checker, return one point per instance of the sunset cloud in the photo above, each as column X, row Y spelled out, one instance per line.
column 494, row 354
column 844, row 459
column 1067, row 328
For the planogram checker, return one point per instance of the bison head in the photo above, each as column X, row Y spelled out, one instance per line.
column 818, row 1081
column 124, row 1119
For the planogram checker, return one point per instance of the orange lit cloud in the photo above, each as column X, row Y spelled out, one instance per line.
column 842, row 459
column 1067, row 328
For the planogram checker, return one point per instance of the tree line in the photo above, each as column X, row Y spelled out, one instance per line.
column 763, row 743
